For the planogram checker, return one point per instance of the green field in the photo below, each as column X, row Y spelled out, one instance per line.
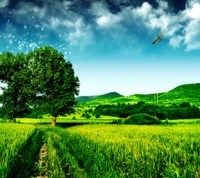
column 103, row 119
column 100, row 150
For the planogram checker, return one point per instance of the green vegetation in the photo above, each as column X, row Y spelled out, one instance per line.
column 60, row 162
column 142, row 151
column 141, row 119
column 100, row 151
column 183, row 93
column 41, row 79
column 17, row 142
column 182, row 111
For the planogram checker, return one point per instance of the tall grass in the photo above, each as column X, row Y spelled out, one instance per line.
column 60, row 162
column 136, row 151
column 12, row 138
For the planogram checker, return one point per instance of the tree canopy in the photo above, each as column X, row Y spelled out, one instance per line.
column 41, row 78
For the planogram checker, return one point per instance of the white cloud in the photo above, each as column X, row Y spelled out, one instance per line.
column 108, row 21
column 176, row 41
column 81, row 34
column 28, row 9
column 104, row 18
column 4, row 3
column 144, row 10
column 192, row 35
column 179, row 28
column 162, row 4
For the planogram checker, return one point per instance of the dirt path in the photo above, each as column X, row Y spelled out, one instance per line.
column 41, row 166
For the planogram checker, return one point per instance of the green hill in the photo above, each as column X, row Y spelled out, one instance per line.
column 84, row 99
column 99, row 98
column 110, row 95
column 182, row 93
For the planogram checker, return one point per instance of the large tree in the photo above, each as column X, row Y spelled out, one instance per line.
column 15, row 73
column 54, row 81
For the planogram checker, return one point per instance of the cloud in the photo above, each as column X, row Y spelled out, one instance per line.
column 108, row 21
column 192, row 35
column 179, row 28
column 81, row 35
column 53, row 18
column 4, row 3
column 162, row 4
column 143, row 11
column 74, row 28
column 104, row 18
column 176, row 41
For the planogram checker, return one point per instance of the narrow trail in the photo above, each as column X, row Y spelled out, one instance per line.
column 41, row 166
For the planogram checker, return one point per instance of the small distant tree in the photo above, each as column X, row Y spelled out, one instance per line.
column 185, row 105
column 54, row 80
column 97, row 115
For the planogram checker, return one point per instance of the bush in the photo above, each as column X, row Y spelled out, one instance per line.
column 162, row 115
column 141, row 119
column 87, row 115
column 97, row 115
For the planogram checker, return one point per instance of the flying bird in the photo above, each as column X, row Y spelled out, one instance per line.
column 159, row 38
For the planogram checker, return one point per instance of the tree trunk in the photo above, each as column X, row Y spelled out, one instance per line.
column 53, row 123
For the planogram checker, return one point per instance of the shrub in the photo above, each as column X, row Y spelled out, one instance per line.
column 141, row 119
column 162, row 115
column 87, row 115
column 97, row 115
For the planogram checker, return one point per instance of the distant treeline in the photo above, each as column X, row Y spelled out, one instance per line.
column 181, row 111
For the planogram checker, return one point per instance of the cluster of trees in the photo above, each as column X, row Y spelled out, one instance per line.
column 41, row 79
column 181, row 111
column 89, row 113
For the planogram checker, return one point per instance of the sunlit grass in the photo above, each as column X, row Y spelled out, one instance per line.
column 136, row 151
column 12, row 139
column 69, row 119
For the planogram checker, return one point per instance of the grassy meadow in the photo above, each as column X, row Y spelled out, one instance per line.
column 100, row 150
column 69, row 119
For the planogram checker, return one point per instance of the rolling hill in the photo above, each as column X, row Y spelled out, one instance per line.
column 107, row 96
column 182, row 93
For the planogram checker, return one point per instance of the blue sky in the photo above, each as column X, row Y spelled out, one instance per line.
column 109, row 42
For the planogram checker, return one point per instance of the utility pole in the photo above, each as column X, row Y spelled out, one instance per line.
column 156, row 98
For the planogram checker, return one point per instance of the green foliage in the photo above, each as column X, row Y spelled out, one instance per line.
column 141, row 119
column 42, row 79
column 97, row 115
column 185, row 105
column 162, row 115
column 183, row 91
column 15, row 73
column 55, row 81
column 162, row 112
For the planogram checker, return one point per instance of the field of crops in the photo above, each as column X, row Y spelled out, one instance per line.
column 136, row 151
column 106, row 151
column 17, row 149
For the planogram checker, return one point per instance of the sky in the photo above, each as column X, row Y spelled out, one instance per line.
column 109, row 42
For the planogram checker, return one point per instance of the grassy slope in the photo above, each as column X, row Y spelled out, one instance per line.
column 182, row 93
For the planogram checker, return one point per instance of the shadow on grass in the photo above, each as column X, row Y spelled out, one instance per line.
column 23, row 166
